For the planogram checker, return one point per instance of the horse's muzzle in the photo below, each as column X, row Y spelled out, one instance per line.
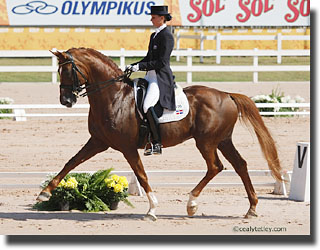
column 68, row 101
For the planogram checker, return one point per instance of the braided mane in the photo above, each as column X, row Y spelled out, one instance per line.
column 102, row 57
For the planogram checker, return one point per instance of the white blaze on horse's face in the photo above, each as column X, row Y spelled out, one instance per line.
column 60, row 70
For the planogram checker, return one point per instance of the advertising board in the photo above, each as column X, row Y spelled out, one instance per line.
column 205, row 13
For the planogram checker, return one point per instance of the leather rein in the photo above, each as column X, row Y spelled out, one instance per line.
column 76, row 87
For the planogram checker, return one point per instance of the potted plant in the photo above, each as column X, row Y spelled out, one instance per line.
column 100, row 191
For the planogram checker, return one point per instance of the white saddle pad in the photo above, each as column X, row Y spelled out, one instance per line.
column 182, row 106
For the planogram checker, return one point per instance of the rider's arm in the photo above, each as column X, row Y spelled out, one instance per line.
column 166, row 47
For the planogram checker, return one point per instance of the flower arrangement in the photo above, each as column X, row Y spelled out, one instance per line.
column 277, row 97
column 100, row 191
column 5, row 100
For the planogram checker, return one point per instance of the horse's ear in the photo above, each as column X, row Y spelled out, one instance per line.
column 61, row 57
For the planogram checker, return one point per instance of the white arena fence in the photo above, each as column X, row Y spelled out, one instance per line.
column 19, row 110
column 189, row 68
column 220, row 38
column 135, row 188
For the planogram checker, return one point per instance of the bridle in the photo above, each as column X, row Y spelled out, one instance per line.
column 77, row 87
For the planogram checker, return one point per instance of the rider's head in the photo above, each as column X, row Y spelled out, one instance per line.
column 159, row 15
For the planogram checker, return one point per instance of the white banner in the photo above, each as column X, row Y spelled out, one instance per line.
column 135, row 13
column 79, row 13
column 245, row 12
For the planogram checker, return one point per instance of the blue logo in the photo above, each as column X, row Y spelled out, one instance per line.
column 38, row 7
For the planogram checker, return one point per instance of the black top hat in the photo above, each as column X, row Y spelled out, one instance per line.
column 159, row 10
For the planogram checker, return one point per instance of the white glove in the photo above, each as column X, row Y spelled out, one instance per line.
column 133, row 68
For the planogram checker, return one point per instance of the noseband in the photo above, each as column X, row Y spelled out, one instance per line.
column 76, row 87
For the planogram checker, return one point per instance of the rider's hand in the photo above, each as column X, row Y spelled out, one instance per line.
column 128, row 67
column 135, row 68
column 132, row 68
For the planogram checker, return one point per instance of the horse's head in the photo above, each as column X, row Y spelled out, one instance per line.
column 72, row 76
column 85, row 66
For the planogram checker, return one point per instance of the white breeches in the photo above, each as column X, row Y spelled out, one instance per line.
column 153, row 92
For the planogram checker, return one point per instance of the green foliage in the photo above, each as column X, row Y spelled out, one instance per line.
column 5, row 100
column 86, row 192
column 277, row 97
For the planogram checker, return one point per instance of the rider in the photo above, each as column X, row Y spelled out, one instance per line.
column 159, row 74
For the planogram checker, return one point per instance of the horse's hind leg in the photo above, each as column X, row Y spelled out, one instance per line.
column 209, row 153
column 91, row 148
column 240, row 165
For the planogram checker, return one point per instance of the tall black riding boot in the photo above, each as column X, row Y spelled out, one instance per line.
column 155, row 132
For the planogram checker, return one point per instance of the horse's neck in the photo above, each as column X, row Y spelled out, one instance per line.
column 110, row 100
column 107, row 101
column 104, row 97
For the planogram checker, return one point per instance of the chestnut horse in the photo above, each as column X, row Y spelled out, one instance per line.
column 114, row 122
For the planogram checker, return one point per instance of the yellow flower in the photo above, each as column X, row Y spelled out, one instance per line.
column 111, row 184
column 118, row 188
column 62, row 183
column 115, row 177
column 71, row 183
column 72, row 180
column 107, row 180
column 123, row 181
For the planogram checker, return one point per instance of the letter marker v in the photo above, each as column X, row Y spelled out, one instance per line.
column 300, row 160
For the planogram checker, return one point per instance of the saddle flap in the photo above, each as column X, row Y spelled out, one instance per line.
column 140, row 91
column 164, row 115
column 177, row 89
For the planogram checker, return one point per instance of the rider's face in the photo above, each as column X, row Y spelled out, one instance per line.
column 157, row 20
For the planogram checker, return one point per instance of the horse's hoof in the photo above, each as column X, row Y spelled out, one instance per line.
column 150, row 216
column 192, row 210
column 251, row 214
column 43, row 196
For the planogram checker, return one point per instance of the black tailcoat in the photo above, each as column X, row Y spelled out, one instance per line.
column 158, row 59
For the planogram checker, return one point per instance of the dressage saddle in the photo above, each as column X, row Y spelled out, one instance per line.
column 146, row 128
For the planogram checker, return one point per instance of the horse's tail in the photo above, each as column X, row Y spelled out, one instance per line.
column 250, row 114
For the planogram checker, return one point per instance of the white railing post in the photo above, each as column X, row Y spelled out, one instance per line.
column 279, row 47
column 178, row 45
column 52, row 68
column 202, row 37
column 189, row 65
column 19, row 115
column 218, row 48
column 135, row 187
column 122, row 59
column 255, row 64
column 54, row 64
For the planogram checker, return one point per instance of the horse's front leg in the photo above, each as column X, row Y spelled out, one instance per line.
column 91, row 148
column 134, row 160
